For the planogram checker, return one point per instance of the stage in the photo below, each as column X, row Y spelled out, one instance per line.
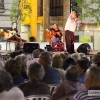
column 42, row 45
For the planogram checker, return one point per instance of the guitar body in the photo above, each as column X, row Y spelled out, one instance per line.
column 50, row 34
column 9, row 34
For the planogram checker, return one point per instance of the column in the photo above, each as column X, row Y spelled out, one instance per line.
column 46, row 17
column 66, row 12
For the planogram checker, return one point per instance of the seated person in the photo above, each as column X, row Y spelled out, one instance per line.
column 14, row 68
column 52, row 76
column 56, row 32
column 92, row 82
column 82, row 65
column 34, row 86
column 70, row 85
column 7, row 91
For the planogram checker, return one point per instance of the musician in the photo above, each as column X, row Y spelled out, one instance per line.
column 57, row 34
column 16, row 37
column 70, row 27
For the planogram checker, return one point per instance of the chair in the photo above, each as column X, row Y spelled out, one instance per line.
column 39, row 97
column 52, row 87
column 8, row 42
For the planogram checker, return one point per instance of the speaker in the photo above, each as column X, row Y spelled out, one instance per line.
column 84, row 48
column 30, row 47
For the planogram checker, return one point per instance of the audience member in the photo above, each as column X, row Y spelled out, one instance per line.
column 34, row 86
column 75, row 57
column 13, row 54
column 7, row 91
column 36, row 54
column 57, row 63
column 22, row 59
column 51, row 76
column 69, row 61
column 95, row 59
column 70, row 85
column 82, row 65
column 92, row 82
column 15, row 69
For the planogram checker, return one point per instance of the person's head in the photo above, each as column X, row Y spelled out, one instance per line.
column 13, row 67
column 69, row 61
column 32, row 39
column 6, row 82
column 71, row 73
column 92, row 77
column 14, row 54
column 35, row 72
column 36, row 53
column 73, row 14
column 96, row 58
column 75, row 56
column 45, row 58
column 22, row 59
column 82, row 55
column 64, row 55
column 55, row 26
column 57, row 61
column 20, row 52
column 83, row 64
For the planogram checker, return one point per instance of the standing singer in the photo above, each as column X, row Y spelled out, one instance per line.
column 70, row 27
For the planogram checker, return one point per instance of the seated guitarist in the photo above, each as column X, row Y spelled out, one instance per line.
column 57, row 34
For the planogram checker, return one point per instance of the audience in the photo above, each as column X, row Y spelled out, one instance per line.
column 52, row 76
column 75, row 57
column 82, row 65
column 7, row 91
column 70, row 85
column 69, row 61
column 36, row 54
column 95, row 59
column 92, row 82
column 15, row 69
column 34, row 86
column 22, row 59
column 57, row 63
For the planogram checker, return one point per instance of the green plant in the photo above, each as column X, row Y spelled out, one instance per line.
column 18, row 6
column 90, row 9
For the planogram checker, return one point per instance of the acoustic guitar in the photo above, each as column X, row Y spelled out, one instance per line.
column 9, row 34
column 49, row 34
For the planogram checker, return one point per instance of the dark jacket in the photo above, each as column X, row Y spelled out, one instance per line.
column 51, row 76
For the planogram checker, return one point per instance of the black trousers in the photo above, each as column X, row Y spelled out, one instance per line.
column 69, row 39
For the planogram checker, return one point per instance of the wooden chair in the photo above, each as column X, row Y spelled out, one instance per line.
column 52, row 87
column 39, row 97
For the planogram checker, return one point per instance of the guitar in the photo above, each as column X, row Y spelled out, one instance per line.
column 9, row 33
column 49, row 34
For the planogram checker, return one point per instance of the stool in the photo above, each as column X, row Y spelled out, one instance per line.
column 8, row 41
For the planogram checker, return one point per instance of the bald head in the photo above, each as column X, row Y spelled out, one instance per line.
column 71, row 73
column 94, row 72
column 92, row 77
column 73, row 14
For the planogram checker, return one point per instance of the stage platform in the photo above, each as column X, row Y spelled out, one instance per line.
column 41, row 44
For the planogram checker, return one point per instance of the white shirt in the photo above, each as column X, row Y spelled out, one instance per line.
column 70, row 24
column 13, row 94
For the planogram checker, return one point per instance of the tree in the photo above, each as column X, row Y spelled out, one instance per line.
column 90, row 9
column 20, row 10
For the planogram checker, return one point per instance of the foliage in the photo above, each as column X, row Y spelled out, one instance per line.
column 90, row 8
column 18, row 6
